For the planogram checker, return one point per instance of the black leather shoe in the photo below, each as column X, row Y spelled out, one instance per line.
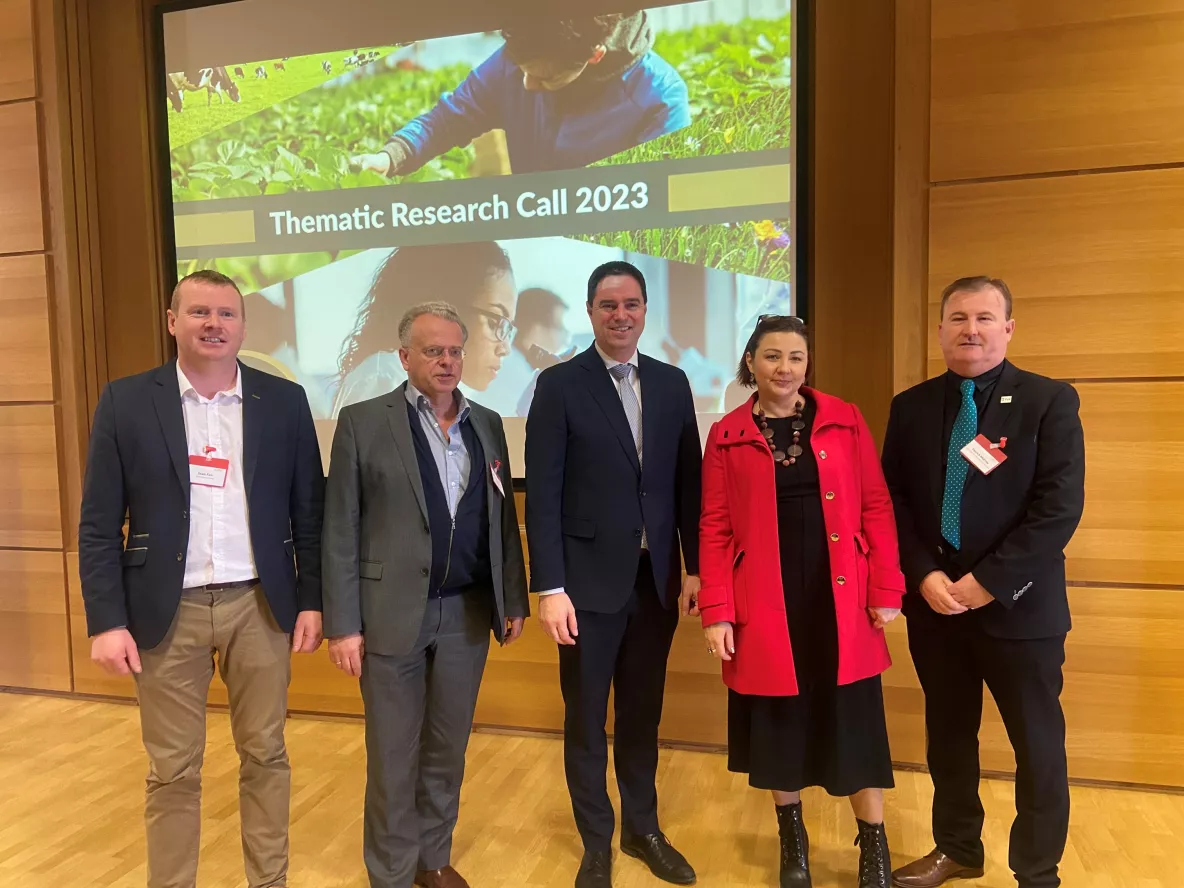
column 596, row 870
column 660, row 856
column 795, row 847
column 875, row 863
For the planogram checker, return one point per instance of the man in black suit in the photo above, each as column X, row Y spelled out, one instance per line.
column 986, row 464
column 612, row 491
column 216, row 470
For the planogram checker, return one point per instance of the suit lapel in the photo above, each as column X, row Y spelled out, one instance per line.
column 604, row 392
column 253, row 407
column 401, row 430
column 166, row 398
column 484, row 472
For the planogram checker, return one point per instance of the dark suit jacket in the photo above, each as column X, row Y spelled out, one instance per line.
column 587, row 498
column 377, row 540
column 1016, row 521
column 138, row 467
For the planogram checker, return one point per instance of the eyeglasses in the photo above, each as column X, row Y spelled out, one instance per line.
column 760, row 319
column 436, row 352
column 499, row 326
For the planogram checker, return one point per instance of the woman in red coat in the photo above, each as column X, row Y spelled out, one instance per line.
column 800, row 573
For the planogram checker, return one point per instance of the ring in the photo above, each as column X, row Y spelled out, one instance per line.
column 711, row 650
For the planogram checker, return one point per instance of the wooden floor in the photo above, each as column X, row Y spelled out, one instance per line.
column 72, row 775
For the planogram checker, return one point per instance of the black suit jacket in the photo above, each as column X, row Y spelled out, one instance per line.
column 587, row 498
column 138, row 467
column 1016, row 521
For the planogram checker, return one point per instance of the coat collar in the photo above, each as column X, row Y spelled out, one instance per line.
column 738, row 427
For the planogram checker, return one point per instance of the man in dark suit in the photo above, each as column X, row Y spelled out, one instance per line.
column 216, row 470
column 986, row 465
column 423, row 557
column 612, row 494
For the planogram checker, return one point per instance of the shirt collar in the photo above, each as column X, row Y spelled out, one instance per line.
column 612, row 362
column 419, row 401
column 981, row 381
column 186, row 386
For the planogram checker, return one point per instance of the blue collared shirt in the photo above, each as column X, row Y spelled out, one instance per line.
column 448, row 450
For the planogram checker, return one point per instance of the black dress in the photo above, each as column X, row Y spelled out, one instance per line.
column 828, row 735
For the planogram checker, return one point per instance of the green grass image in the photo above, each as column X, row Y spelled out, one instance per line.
column 302, row 74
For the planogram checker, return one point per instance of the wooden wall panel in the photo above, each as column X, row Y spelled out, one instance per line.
column 30, row 510
column 88, row 678
column 34, row 636
column 1022, row 87
column 26, row 371
column 16, row 50
column 1095, row 263
column 1133, row 527
column 22, row 225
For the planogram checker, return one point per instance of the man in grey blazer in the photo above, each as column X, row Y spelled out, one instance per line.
column 421, row 559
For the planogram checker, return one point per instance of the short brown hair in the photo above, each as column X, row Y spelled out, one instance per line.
column 972, row 285
column 204, row 276
column 766, row 324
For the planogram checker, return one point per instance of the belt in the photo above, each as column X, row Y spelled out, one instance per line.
column 223, row 587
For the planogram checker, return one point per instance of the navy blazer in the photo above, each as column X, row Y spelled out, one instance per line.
column 138, row 467
column 1016, row 521
column 587, row 497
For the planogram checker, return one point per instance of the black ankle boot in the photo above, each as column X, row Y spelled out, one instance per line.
column 795, row 847
column 875, row 864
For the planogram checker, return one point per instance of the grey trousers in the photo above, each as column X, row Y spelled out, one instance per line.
column 419, row 712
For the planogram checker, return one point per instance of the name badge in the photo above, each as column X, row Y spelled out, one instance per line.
column 983, row 455
column 495, row 468
column 208, row 471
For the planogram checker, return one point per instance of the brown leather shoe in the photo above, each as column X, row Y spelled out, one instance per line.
column 932, row 870
column 441, row 878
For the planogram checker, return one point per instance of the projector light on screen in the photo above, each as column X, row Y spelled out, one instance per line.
column 341, row 173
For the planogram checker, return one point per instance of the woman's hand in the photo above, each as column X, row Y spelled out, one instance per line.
column 719, row 641
column 882, row 616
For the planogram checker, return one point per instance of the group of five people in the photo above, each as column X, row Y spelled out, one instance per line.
column 209, row 533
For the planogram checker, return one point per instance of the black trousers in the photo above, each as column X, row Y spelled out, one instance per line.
column 626, row 651
column 954, row 657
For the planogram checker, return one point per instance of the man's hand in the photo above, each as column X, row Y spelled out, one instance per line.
column 970, row 593
column 935, row 587
column 513, row 630
column 306, row 637
column 379, row 162
column 557, row 616
column 720, row 643
column 688, row 601
column 882, row 616
column 347, row 652
column 116, row 651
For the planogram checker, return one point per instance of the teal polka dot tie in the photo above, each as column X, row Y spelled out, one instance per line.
column 965, row 428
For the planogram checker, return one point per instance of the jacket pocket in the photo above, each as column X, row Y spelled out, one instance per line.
column 579, row 527
column 134, row 557
column 739, row 589
column 370, row 570
column 862, row 569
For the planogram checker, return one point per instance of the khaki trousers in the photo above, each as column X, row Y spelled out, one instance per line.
column 253, row 660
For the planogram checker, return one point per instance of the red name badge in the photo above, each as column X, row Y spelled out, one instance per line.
column 207, row 470
column 983, row 455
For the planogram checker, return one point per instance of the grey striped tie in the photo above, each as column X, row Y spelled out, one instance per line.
column 622, row 373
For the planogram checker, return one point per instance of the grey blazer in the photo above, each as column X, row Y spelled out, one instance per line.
column 376, row 543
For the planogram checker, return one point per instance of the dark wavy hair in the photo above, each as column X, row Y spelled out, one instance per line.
column 411, row 275
column 773, row 324
column 565, row 42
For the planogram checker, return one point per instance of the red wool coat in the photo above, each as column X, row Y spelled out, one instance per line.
column 740, row 559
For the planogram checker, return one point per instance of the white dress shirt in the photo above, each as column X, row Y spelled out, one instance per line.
column 453, row 460
column 635, row 382
column 219, row 533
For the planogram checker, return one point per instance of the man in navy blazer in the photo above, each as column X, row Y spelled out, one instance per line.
column 215, row 469
column 612, row 495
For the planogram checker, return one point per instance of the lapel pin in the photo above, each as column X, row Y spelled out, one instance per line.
column 1005, row 399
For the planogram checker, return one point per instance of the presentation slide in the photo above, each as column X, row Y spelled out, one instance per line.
column 490, row 164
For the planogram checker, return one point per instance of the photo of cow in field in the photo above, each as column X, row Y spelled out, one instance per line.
column 215, row 81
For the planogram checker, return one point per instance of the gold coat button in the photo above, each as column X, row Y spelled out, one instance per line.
column 830, row 494
column 834, row 537
column 841, row 580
